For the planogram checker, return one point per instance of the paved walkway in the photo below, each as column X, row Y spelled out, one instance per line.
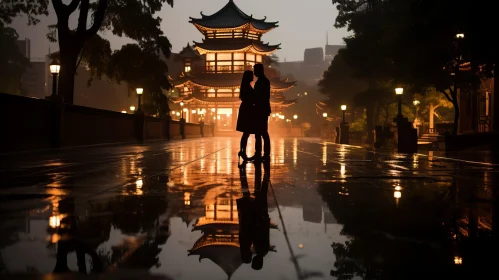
column 171, row 209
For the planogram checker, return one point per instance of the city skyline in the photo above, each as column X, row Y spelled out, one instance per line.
column 295, row 35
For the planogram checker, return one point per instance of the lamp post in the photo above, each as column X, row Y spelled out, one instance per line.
column 344, row 128
column 344, row 108
column 55, row 68
column 139, row 91
column 399, row 91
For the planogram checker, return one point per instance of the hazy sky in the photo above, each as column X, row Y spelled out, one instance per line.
column 302, row 24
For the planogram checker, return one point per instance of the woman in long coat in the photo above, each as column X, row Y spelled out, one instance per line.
column 245, row 123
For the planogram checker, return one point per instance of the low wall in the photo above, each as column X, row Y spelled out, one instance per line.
column 33, row 124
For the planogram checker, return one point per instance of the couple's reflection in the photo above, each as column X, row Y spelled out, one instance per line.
column 254, row 220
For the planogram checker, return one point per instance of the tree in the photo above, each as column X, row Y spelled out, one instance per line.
column 431, row 100
column 338, row 83
column 142, row 68
column 133, row 19
column 12, row 62
column 413, row 43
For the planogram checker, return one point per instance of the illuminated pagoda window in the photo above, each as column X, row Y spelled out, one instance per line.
column 212, row 69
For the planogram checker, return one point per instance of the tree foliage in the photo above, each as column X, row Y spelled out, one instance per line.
column 12, row 62
column 413, row 44
column 338, row 83
column 135, row 19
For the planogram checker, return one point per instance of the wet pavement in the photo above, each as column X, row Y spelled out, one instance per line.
column 184, row 210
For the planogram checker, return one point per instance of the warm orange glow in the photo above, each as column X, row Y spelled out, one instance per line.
column 458, row 260
column 139, row 91
column 343, row 107
column 399, row 91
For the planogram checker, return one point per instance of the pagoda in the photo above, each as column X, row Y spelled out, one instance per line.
column 208, row 86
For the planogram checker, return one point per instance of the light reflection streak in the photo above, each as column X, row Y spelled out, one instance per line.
column 324, row 154
column 343, row 171
column 295, row 151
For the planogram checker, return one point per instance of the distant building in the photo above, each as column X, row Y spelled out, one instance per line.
column 34, row 80
column 332, row 51
column 34, row 77
column 25, row 47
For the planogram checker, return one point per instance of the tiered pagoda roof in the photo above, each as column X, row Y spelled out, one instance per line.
column 230, row 17
column 235, row 45
column 188, row 52
column 229, row 81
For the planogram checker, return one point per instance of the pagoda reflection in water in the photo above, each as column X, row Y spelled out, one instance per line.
column 220, row 240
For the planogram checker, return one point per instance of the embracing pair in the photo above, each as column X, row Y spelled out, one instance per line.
column 254, row 113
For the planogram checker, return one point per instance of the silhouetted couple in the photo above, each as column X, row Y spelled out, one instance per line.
column 254, row 220
column 254, row 113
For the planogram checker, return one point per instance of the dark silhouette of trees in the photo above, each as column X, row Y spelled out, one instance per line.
column 134, row 19
column 414, row 44
column 12, row 62
column 338, row 83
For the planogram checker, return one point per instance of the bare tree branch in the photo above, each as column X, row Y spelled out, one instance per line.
column 447, row 95
column 98, row 18
column 58, row 6
column 73, row 6
column 82, row 20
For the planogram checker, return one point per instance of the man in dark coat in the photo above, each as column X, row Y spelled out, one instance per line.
column 262, row 90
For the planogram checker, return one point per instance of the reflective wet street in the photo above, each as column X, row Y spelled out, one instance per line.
column 184, row 210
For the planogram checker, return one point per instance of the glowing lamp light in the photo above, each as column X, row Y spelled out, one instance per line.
column 139, row 91
column 416, row 102
column 55, row 67
column 397, row 194
column 124, row 111
column 139, row 183
column 187, row 199
column 218, row 117
column 273, row 115
column 343, row 107
column 295, row 117
column 305, row 93
column 181, row 104
column 132, row 108
column 460, row 35
column 213, row 110
column 324, row 115
column 458, row 260
column 178, row 114
column 281, row 117
column 399, row 91
column 398, row 188
column 55, row 221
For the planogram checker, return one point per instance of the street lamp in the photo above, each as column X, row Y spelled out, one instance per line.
column 460, row 35
column 416, row 103
column 139, row 91
column 295, row 117
column 344, row 108
column 324, row 115
column 399, row 91
column 132, row 108
column 55, row 68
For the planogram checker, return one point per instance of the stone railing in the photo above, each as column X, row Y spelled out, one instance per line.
column 31, row 124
